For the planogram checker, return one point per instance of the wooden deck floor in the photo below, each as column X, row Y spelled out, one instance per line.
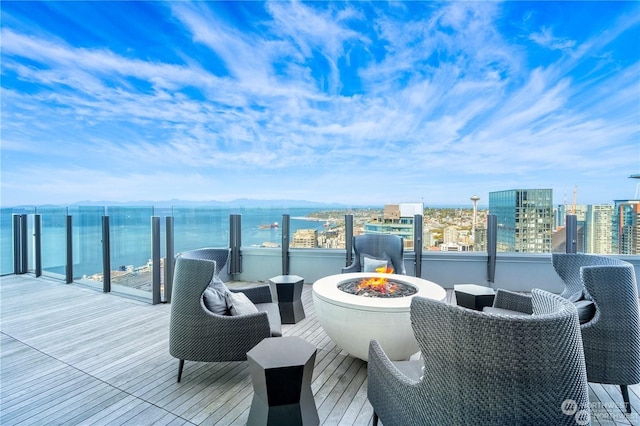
column 71, row 355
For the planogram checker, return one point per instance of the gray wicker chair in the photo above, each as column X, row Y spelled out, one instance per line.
column 378, row 246
column 485, row 369
column 197, row 334
column 611, row 338
column 219, row 255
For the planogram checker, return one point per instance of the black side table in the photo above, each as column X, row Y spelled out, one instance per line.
column 474, row 296
column 281, row 370
column 288, row 291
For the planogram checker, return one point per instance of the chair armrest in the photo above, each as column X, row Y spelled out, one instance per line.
column 379, row 363
column 257, row 294
column 389, row 390
column 351, row 268
column 513, row 301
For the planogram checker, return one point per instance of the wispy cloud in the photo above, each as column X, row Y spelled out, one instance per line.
column 323, row 101
column 545, row 38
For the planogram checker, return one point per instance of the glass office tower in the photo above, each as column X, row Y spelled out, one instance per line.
column 525, row 219
column 598, row 232
column 626, row 227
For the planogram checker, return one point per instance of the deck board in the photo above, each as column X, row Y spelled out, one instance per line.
column 72, row 355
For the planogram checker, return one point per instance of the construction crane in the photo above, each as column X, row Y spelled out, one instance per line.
column 575, row 198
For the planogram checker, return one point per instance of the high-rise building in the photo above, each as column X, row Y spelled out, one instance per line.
column 524, row 218
column 305, row 238
column 480, row 243
column 579, row 210
column 451, row 235
column 598, row 230
column 625, row 234
column 396, row 219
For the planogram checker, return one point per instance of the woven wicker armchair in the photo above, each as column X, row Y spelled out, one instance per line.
column 611, row 338
column 378, row 246
column 484, row 369
column 219, row 255
column 197, row 334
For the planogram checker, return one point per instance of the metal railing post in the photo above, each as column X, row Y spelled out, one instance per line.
column 17, row 244
column 492, row 242
column 37, row 243
column 285, row 244
column 235, row 242
column 417, row 244
column 106, row 256
column 68, row 267
column 348, row 238
column 169, row 261
column 155, row 260
column 571, row 234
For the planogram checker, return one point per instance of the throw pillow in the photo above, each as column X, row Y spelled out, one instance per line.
column 217, row 283
column 215, row 296
column 215, row 300
column 239, row 304
column 370, row 263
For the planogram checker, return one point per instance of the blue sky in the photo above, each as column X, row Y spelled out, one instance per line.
column 346, row 102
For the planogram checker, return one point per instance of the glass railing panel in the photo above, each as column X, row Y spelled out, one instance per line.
column 162, row 213
column 87, row 244
column 31, row 262
column 200, row 227
column 54, row 240
column 452, row 229
column 131, row 250
column 6, row 241
column 6, row 238
column 326, row 225
column 261, row 227
column 308, row 227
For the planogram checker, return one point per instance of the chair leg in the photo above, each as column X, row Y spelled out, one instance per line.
column 625, row 397
column 180, row 367
column 375, row 419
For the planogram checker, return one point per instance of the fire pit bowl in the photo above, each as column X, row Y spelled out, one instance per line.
column 351, row 321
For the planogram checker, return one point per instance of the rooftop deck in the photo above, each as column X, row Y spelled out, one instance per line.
column 71, row 355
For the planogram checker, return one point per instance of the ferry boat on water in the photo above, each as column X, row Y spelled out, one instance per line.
column 273, row 225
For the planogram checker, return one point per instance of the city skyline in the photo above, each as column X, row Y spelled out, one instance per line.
column 328, row 102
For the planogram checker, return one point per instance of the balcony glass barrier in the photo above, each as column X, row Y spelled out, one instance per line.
column 6, row 241
column 6, row 238
column 198, row 227
column 31, row 242
column 130, row 248
column 444, row 229
column 87, row 243
column 308, row 227
column 54, row 240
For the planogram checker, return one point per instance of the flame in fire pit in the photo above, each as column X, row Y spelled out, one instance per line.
column 379, row 284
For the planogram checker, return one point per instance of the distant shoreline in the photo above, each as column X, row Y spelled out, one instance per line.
column 233, row 207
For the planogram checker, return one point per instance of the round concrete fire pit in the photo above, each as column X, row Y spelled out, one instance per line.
column 351, row 321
